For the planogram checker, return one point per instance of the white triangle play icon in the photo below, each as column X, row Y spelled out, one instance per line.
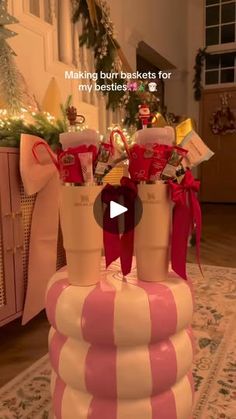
column 116, row 209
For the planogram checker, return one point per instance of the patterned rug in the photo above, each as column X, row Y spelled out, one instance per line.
column 28, row 395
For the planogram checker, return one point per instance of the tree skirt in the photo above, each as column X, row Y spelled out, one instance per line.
column 28, row 395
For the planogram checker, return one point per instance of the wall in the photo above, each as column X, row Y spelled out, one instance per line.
column 36, row 49
column 162, row 24
column 171, row 27
column 195, row 41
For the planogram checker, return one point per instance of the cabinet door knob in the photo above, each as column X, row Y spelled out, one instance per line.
column 8, row 214
column 17, row 214
column 20, row 247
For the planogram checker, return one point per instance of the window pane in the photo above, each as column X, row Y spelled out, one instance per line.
column 212, row 61
column 227, row 33
column 47, row 11
column 227, row 60
column 212, row 36
column 212, row 2
column 212, row 15
column 228, row 13
column 212, row 77
column 227, row 76
column 34, row 7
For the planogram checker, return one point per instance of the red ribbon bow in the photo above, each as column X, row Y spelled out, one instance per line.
column 116, row 244
column 186, row 217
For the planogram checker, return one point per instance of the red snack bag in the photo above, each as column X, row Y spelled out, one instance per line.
column 140, row 160
column 160, row 157
column 69, row 164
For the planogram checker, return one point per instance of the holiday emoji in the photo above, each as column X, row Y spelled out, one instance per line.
column 152, row 86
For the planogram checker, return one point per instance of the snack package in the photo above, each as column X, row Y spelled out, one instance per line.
column 180, row 173
column 104, row 160
column 69, row 167
column 69, row 163
column 86, row 164
column 140, row 160
column 159, row 160
column 183, row 129
column 173, row 162
column 197, row 149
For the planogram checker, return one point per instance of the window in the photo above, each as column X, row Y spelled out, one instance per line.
column 221, row 68
column 41, row 9
column 220, row 29
column 220, row 22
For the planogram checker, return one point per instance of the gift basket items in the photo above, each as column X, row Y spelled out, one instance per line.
column 159, row 167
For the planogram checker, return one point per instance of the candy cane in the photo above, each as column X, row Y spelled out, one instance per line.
column 51, row 154
column 123, row 138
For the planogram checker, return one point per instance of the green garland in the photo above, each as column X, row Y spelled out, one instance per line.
column 197, row 81
column 10, row 78
column 98, row 34
column 41, row 125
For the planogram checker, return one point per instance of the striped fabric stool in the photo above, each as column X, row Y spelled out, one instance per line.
column 121, row 349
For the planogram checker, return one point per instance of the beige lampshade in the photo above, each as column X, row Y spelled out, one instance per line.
column 52, row 99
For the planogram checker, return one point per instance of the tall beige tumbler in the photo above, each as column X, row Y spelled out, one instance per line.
column 82, row 236
column 152, row 234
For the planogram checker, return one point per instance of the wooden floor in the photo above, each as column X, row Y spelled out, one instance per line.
column 21, row 346
column 218, row 244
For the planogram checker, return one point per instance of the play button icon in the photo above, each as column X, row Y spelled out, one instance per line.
column 116, row 209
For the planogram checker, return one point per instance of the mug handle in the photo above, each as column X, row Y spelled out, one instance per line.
column 81, row 119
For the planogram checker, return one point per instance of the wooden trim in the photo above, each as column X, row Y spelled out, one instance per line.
column 8, row 240
column 11, row 150
column 218, row 89
column 202, row 120
column 18, row 229
column 201, row 109
column 10, row 318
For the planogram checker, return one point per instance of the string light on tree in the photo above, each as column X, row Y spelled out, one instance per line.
column 10, row 80
column 13, row 89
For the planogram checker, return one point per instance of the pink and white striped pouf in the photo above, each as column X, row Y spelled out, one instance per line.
column 121, row 350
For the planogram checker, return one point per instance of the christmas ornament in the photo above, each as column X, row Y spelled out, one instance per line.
column 223, row 121
column 145, row 115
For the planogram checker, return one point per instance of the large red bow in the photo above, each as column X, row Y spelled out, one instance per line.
column 116, row 244
column 186, row 217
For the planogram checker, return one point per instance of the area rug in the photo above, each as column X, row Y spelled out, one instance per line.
column 28, row 395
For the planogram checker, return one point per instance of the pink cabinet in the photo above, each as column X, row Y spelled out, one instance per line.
column 15, row 220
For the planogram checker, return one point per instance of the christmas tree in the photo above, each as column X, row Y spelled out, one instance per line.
column 10, row 78
column 6, row 19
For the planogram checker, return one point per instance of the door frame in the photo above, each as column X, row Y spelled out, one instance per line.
column 201, row 112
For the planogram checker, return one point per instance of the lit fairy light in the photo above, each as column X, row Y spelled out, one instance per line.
column 118, row 141
column 25, row 115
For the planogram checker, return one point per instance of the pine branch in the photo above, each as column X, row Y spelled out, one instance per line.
column 12, row 127
column 9, row 79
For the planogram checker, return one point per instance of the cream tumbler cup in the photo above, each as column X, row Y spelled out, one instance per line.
column 82, row 236
column 152, row 234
